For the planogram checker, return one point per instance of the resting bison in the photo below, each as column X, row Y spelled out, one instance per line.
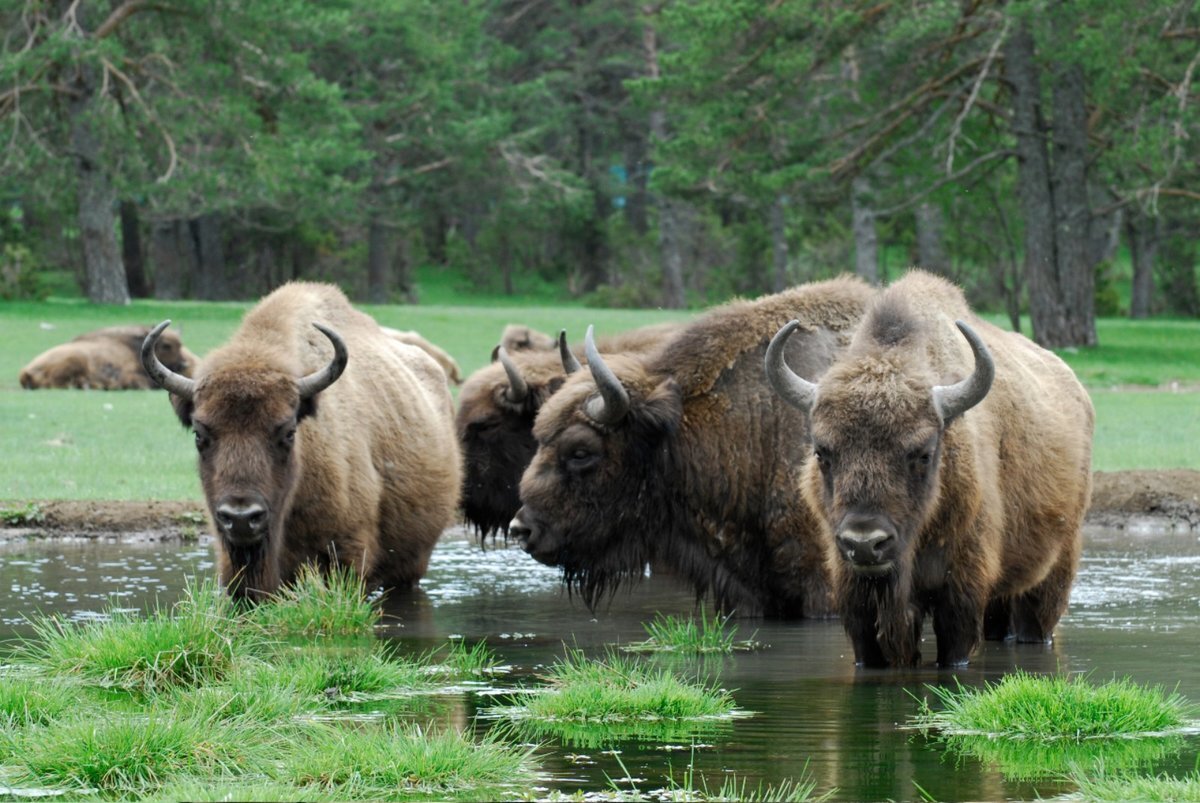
column 320, row 439
column 106, row 359
column 951, row 473
column 448, row 363
column 496, row 409
column 687, row 460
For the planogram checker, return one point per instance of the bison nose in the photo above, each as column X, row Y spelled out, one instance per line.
column 866, row 541
column 518, row 528
column 242, row 523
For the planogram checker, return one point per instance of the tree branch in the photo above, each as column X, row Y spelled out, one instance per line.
column 966, row 109
column 947, row 179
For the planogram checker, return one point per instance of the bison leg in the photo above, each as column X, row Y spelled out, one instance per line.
column 997, row 619
column 1037, row 611
column 885, row 630
column 958, row 624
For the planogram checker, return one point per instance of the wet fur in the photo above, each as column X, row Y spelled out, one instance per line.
column 997, row 530
column 700, row 478
column 375, row 472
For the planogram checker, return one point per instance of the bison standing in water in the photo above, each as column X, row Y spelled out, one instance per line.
column 496, row 409
column 105, row 359
column 951, row 470
column 687, row 460
column 320, row 439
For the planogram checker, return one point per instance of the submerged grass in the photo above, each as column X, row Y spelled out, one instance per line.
column 196, row 643
column 667, row 633
column 318, row 604
column 402, row 757
column 1026, row 760
column 1025, row 706
column 1126, row 786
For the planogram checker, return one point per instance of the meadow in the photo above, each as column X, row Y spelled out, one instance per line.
column 1144, row 379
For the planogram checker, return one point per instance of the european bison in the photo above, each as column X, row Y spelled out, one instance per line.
column 320, row 439
column 448, row 363
column 951, row 472
column 687, row 460
column 105, row 359
column 496, row 409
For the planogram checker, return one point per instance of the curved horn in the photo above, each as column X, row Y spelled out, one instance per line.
column 951, row 401
column 317, row 381
column 175, row 383
column 570, row 364
column 613, row 403
column 518, row 388
column 792, row 388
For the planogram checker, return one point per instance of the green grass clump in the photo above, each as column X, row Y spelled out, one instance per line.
column 132, row 753
column 196, row 643
column 254, row 690
column 1028, row 760
column 460, row 660
column 1024, row 706
column 1127, row 786
column 403, row 757
column 317, row 604
column 355, row 674
column 34, row 700
column 667, row 633
column 621, row 689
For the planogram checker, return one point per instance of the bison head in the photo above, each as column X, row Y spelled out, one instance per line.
column 877, row 425
column 245, row 413
column 496, row 410
column 595, row 488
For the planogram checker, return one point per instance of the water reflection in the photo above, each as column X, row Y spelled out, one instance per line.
column 1133, row 613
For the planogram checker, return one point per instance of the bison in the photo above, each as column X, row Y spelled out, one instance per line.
column 496, row 409
column 686, row 460
column 448, row 363
column 950, row 470
column 320, row 440
column 105, row 359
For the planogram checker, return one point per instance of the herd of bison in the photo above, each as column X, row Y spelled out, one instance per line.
column 875, row 454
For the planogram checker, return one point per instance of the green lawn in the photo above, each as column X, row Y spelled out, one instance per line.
column 128, row 445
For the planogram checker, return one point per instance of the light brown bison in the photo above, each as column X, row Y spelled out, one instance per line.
column 951, row 471
column 496, row 409
column 686, row 460
column 105, row 359
column 320, row 439
column 448, row 363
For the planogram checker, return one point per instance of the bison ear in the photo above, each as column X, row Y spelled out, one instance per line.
column 183, row 409
column 663, row 408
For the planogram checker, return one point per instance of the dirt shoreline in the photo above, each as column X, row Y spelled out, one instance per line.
column 1159, row 499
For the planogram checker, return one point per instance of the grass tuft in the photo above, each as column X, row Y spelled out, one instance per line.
column 318, row 604
column 354, row 674
column 404, row 756
column 197, row 643
column 1024, row 706
column 34, row 700
column 668, row 633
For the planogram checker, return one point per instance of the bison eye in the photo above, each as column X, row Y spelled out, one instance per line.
column 288, row 438
column 581, row 459
column 824, row 457
column 202, row 441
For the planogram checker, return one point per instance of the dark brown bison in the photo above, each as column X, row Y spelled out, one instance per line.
column 686, row 460
column 951, row 471
column 496, row 409
column 320, row 439
column 105, row 359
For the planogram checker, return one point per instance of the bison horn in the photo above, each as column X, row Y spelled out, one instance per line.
column 570, row 364
column 317, row 381
column 792, row 388
column 951, row 401
column 518, row 388
column 178, row 384
column 613, row 403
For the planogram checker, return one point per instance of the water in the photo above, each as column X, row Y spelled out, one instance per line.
column 1135, row 612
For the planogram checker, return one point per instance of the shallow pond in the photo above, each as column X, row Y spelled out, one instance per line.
column 1135, row 612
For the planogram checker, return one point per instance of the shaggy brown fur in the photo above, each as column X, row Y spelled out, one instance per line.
column 982, row 513
column 105, row 359
column 448, row 363
column 496, row 432
column 372, row 476
column 700, row 475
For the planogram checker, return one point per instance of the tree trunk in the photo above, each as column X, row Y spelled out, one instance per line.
column 1143, row 233
column 931, row 234
column 866, row 240
column 106, row 283
column 131, row 250
column 378, row 279
column 670, row 222
column 404, row 269
column 1053, row 197
column 1177, row 268
column 171, row 253
column 779, row 244
column 211, row 283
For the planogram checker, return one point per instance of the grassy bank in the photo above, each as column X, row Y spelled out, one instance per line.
column 128, row 445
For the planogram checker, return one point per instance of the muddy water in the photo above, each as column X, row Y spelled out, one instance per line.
column 1135, row 612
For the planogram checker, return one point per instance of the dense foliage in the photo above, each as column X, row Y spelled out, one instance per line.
column 661, row 153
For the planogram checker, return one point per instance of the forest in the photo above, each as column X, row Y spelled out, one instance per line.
column 620, row 153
